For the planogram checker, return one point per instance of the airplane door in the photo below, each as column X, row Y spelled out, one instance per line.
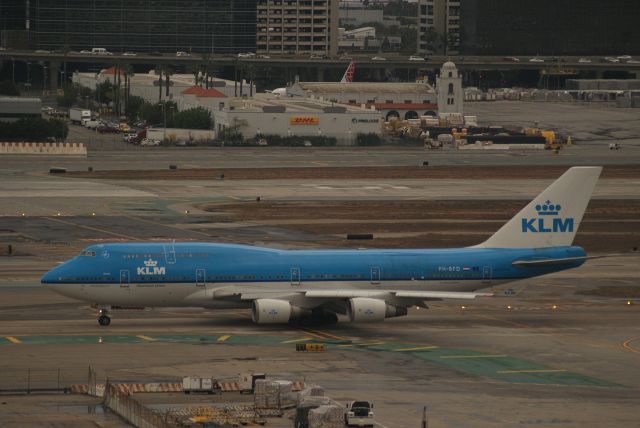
column 124, row 278
column 170, row 253
column 200, row 277
column 375, row 275
column 295, row 276
column 486, row 274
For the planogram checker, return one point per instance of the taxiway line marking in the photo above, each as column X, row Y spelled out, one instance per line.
column 320, row 163
column 13, row 339
column 346, row 345
column 531, row 371
column 147, row 338
column 95, row 229
column 223, row 338
column 627, row 345
column 323, row 334
column 233, row 197
column 460, row 357
column 419, row 348
column 370, row 343
column 297, row 340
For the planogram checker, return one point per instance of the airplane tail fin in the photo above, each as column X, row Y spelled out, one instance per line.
column 348, row 74
column 553, row 217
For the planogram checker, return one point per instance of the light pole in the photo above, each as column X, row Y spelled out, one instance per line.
column 164, row 114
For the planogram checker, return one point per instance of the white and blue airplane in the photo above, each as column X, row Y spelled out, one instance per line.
column 367, row 285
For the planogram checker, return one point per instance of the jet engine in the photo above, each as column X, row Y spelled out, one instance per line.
column 272, row 311
column 363, row 309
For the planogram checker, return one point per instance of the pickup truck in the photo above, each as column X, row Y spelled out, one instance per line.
column 359, row 414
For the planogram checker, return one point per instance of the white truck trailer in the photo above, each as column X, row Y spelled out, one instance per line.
column 196, row 384
column 79, row 115
column 178, row 134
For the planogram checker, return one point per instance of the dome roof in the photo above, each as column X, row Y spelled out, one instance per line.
column 448, row 64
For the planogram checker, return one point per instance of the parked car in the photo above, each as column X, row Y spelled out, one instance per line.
column 317, row 56
column 536, row 59
column 584, row 61
column 511, row 59
column 633, row 61
column 107, row 129
column 85, row 52
column 147, row 142
column 378, row 58
column 625, row 57
column 265, row 57
column 129, row 54
column 182, row 53
column 246, row 55
column 416, row 58
column 42, row 51
column 611, row 59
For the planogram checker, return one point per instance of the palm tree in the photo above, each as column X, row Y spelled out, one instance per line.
column 158, row 72
column 168, row 72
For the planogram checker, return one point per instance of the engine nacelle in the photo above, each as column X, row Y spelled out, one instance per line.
column 272, row 311
column 363, row 309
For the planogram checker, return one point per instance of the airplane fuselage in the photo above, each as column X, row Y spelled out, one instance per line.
column 192, row 274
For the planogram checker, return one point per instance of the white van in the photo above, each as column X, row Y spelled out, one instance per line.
column 99, row 51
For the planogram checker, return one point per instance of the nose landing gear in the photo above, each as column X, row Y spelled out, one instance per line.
column 104, row 319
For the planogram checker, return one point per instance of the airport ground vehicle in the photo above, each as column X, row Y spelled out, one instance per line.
column 359, row 414
column 78, row 115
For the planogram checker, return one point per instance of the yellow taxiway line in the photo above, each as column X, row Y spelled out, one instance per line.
column 322, row 334
column 531, row 371
column 627, row 345
column 448, row 357
column 147, row 338
column 13, row 339
column 223, row 338
column 420, row 348
column 298, row 340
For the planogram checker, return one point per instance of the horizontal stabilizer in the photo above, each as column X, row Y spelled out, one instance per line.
column 554, row 262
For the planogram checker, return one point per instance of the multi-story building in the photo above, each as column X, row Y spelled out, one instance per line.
column 297, row 26
column 525, row 27
column 201, row 26
column 439, row 26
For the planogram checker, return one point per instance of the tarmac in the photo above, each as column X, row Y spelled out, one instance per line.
column 548, row 352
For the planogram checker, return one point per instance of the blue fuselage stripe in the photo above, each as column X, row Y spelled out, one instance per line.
column 205, row 262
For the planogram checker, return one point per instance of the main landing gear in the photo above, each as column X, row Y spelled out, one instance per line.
column 104, row 319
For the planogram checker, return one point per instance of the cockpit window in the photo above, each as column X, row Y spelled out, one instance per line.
column 86, row 253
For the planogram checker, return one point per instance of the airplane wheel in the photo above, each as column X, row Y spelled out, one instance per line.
column 104, row 320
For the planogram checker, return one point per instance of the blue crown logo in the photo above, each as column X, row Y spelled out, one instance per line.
column 548, row 208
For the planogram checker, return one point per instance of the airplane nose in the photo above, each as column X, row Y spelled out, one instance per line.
column 52, row 276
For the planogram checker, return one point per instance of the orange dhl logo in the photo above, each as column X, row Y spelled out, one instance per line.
column 304, row 121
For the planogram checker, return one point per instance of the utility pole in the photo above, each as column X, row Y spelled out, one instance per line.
column 425, row 422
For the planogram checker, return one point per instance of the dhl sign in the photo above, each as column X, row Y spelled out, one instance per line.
column 304, row 120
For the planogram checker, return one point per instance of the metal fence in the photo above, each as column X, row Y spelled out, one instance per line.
column 131, row 410
column 31, row 381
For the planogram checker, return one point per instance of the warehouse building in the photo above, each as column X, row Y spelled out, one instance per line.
column 403, row 100
column 15, row 108
column 269, row 114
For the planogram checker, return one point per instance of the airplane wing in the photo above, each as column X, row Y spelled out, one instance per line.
column 313, row 297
